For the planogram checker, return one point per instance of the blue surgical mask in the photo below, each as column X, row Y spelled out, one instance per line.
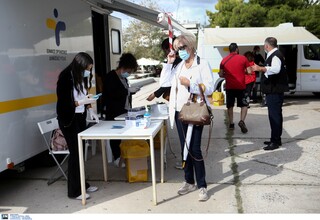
column 183, row 54
column 125, row 74
column 86, row 73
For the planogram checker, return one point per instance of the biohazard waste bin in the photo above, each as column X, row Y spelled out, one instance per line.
column 136, row 153
column 217, row 98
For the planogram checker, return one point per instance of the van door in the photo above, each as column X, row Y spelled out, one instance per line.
column 107, row 31
column 309, row 68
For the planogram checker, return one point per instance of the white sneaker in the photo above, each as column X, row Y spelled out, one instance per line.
column 117, row 163
column 186, row 188
column 203, row 195
column 92, row 189
column 80, row 197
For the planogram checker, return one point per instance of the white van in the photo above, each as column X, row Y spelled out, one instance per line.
column 38, row 39
column 300, row 48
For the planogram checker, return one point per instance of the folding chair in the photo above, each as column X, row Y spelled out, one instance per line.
column 46, row 129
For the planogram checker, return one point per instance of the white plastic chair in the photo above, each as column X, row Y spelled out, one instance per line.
column 46, row 129
column 93, row 146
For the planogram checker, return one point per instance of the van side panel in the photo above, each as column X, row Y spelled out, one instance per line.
column 309, row 68
column 38, row 39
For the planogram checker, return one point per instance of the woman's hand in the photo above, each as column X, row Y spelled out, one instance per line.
column 171, row 57
column 184, row 81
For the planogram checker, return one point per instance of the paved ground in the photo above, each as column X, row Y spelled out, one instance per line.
column 242, row 178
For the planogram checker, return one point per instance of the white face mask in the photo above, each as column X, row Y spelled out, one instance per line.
column 86, row 73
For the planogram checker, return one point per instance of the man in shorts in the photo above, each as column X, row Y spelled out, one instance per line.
column 233, row 68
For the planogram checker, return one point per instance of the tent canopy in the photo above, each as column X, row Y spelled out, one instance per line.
column 285, row 33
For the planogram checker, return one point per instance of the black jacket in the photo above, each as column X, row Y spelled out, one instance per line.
column 277, row 83
column 114, row 96
column 65, row 104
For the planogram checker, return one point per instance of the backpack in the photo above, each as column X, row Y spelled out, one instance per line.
column 58, row 142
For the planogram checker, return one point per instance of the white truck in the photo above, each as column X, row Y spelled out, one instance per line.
column 38, row 39
column 300, row 48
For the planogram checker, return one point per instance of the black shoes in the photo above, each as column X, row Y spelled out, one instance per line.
column 243, row 127
column 271, row 146
column 269, row 142
column 231, row 126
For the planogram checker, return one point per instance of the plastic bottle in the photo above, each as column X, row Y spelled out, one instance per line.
column 147, row 118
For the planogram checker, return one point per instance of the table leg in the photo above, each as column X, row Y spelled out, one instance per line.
column 104, row 160
column 82, row 171
column 153, row 171
column 161, row 152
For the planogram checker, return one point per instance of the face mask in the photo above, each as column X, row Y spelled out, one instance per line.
column 86, row 73
column 125, row 74
column 183, row 54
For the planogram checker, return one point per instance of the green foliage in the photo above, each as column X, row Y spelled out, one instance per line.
column 267, row 13
column 143, row 39
column 245, row 15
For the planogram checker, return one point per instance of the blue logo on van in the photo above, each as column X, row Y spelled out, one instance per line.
column 56, row 26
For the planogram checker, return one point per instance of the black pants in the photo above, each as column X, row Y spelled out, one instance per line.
column 71, row 135
column 274, row 103
column 115, row 148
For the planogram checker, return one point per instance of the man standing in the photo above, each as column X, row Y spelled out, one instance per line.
column 233, row 68
column 274, row 83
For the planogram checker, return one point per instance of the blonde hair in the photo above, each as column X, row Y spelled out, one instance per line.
column 186, row 39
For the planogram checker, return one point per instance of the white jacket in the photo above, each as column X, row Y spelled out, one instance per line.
column 197, row 74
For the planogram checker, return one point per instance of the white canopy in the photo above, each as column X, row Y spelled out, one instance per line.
column 147, row 62
column 285, row 33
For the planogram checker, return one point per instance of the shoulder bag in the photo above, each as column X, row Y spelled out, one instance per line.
column 196, row 113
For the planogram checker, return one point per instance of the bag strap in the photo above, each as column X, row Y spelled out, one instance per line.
column 227, row 60
column 207, row 147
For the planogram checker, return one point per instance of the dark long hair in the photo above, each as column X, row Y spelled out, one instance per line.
column 79, row 64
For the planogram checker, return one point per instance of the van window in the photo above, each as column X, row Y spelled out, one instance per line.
column 115, row 41
column 312, row 51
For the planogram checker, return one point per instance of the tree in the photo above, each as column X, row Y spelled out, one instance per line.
column 143, row 39
column 267, row 13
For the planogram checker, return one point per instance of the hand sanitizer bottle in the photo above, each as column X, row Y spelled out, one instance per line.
column 147, row 118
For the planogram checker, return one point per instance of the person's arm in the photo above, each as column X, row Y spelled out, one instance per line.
column 248, row 67
column 269, row 70
column 221, row 71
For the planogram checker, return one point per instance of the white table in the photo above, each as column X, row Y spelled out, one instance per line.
column 103, row 130
column 155, row 115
